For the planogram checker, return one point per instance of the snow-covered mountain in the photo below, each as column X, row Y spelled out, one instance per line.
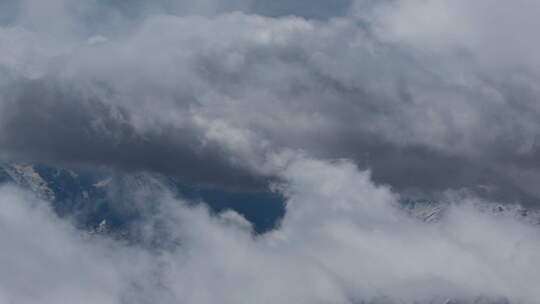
column 431, row 211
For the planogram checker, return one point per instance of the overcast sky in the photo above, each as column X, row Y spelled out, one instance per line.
column 431, row 96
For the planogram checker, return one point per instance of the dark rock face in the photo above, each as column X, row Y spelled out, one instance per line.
column 4, row 177
column 102, row 200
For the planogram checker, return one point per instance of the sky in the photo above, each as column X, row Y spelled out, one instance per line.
column 343, row 107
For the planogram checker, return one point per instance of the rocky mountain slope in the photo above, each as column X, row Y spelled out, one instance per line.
column 102, row 201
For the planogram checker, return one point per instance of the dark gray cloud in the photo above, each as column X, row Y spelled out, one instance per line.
column 55, row 123
column 221, row 97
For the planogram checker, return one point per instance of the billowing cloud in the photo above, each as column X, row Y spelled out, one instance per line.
column 209, row 94
column 433, row 97
column 341, row 241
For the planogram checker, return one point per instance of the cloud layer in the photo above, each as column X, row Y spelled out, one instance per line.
column 210, row 91
column 432, row 96
column 341, row 241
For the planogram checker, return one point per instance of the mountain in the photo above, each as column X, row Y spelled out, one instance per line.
column 430, row 211
column 99, row 198
column 102, row 201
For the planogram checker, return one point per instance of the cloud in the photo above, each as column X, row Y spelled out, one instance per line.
column 67, row 129
column 432, row 96
column 342, row 240
column 189, row 89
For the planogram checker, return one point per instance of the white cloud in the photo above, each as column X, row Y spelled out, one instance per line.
column 341, row 241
